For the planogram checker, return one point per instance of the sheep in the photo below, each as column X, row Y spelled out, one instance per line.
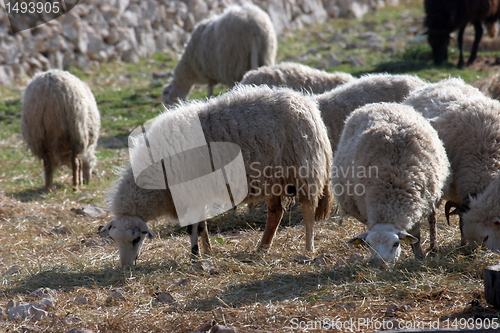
column 223, row 49
column 60, row 124
column 490, row 86
column 445, row 16
column 468, row 123
column 390, row 171
column 279, row 160
column 297, row 77
column 481, row 223
column 336, row 105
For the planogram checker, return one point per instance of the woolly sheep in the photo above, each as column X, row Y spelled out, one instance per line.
column 337, row 104
column 481, row 223
column 468, row 123
column 60, row 123
column 490, row 86
column 223, row 49
column 252, row 118
column 389, row 172
column 297, row 77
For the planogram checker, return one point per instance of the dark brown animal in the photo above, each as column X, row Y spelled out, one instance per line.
column 446, row 16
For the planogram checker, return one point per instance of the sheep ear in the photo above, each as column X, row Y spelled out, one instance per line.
column 406, row 237
column 104, row 232
column 358, row 240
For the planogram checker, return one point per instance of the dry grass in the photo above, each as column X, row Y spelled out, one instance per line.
column 253, row 292
column 53, row 247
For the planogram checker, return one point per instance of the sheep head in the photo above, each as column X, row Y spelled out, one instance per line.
column 129, row 233
column 384, row 241
column 485, row 233
column 88, row 164
column 439, row 41
column 175, row 92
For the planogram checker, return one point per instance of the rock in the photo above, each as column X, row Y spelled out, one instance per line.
column 24, row 310
column 165, row 298
column 189, row 22
column 182, row 282
column 115, row 296
column 81, row 300
column 43, row 292
column 333, row 61
column 48, row 302
column 14, row 269
column 2, row 315
column 91, row 211
column 205, row 266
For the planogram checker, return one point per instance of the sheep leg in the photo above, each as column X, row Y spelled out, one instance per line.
column 308, row 214
column 192, row 230
column 274, row 215
column 460, row 42
column 205, row 240
column 74, row 166
column 49, row 173
column 80, row 171
column 417, row 250
column 463, row 242
column 210, row 88
column 477, row 38
column 432, row 232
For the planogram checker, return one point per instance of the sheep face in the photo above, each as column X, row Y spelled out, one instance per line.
column 87, row 167
column 175, row 92
column 485, row 233
column 439, row 41
column 129, row 233
column 384, row 241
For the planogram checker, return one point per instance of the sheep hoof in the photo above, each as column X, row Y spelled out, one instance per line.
column 263, row 248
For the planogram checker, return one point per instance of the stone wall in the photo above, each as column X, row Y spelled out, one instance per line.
column 97, row 31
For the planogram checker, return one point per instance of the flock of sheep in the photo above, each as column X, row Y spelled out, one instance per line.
column 390, row 148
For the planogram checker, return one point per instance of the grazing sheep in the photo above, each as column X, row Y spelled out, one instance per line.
column 60, row 123
column 297, row 77
column 468, row 123
column 279, row 160
column 389, row 172
column 223, row 49
column 481, row 223
column 336, row 105
column 446, row 16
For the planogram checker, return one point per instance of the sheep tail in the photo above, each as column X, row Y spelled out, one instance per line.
column 324, row 208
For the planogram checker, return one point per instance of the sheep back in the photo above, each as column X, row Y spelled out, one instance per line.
column 394, row 159
column 276, row 129
column 337, row 104
column 468, row 123
column 297, row 77
column 220, row 48
column 60, row 115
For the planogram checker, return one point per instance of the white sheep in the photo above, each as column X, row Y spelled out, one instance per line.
column 279, row 160
column 223, row 49
column 389, row 172
column 60, row 123
column 481, row 223
column 297, row 77
column 468, row 123
column 337, row 104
